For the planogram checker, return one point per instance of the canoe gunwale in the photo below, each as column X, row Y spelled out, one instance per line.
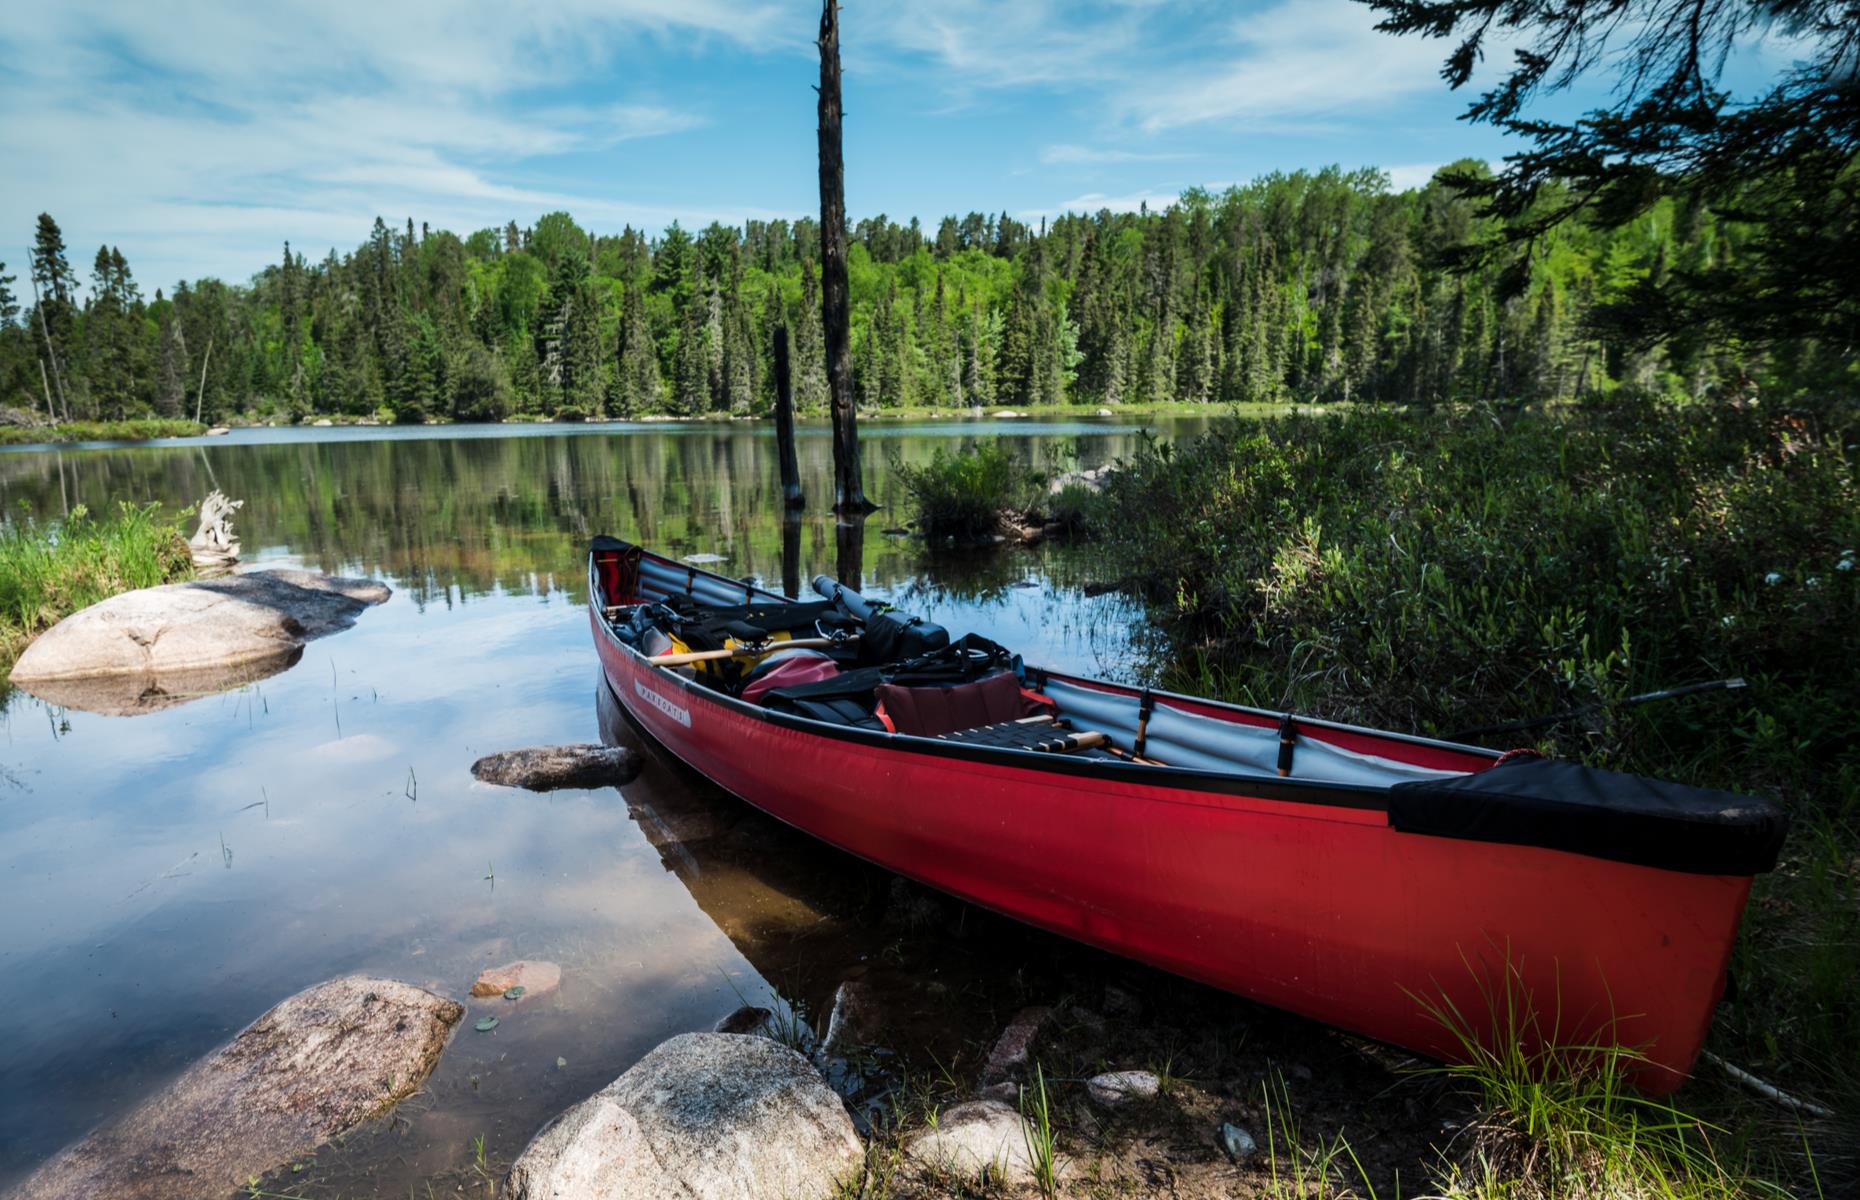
column 1159, row 776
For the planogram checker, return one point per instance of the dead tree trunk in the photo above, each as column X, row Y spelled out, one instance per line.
column 200, row 393
column 45, row 331
column 791, row 553
column 848, row 490
column 791, row 497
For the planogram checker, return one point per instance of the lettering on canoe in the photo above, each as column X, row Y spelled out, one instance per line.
column 680, row 715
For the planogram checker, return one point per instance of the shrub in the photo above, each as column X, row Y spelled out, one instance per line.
column 1433, row 572
column 965, row 497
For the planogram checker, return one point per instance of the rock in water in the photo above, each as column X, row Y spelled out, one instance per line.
column 854, row 1021
column 103, row 658
column 536, row 978
column 749, row 1018
column 546, row 768
column 318, row 1064
column 1114, row 1088
column 978, row 1136
column 706, row 1115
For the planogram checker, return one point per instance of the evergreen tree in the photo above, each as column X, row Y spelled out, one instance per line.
column 638, row 386
column 171, row 379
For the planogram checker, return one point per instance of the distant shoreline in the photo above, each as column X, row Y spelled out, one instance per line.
column 53, row 437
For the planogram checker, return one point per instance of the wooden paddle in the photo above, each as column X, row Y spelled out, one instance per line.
column 695, row 656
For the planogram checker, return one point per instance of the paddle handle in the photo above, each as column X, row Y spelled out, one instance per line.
column 695, row 656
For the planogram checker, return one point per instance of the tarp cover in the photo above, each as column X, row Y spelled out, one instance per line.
column 1627, row 818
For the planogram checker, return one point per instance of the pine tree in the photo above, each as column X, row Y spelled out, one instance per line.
column 691, row 365
column 171, row 382
column 583, row 378
column 638, row 387
column 810, row 354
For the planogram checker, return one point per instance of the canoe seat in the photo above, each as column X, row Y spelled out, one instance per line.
column 939, row 709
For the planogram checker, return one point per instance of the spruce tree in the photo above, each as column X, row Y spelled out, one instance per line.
column 171, row 380
column 638, row 387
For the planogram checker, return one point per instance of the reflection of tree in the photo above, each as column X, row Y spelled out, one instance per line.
column 513, row 512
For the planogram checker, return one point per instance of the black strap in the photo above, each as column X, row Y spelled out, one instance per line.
column 1146, row 705
column 1287, row 741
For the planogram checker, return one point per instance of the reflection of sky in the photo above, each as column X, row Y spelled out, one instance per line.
column 168, row 877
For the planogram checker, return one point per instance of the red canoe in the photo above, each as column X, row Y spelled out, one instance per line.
column 1366, row 879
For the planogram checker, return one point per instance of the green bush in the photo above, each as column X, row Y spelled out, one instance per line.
column 1434, row 572
column 965, row 497
column 49, row 570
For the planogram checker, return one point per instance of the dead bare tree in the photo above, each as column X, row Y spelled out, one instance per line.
column 848, row 490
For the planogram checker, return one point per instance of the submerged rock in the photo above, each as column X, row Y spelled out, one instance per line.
column 976, row 1137
column 318, row 1064
column 704, row 1115
column 1114, row 1088
column 854, row 1020
column 536, row 978
column 546, row 768
column 747, row 1019
column 247, row 625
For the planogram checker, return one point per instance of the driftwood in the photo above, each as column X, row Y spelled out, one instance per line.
column 214, row 544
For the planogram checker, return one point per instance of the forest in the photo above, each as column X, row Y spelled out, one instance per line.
column 1303, row 287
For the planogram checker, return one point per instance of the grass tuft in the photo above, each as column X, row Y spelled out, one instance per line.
column 51, row 569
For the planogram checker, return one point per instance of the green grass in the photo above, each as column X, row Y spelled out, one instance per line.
column 964, row 497
column 1297, row 1167
column 1428, row 572
column 50, row 569
column 100, row 431
column 1559, row 1119
column 1036, row 1106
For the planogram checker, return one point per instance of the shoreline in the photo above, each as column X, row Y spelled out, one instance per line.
column 132, row 433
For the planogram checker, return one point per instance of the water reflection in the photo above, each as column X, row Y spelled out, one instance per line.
column 169, row 878
column 454, row 517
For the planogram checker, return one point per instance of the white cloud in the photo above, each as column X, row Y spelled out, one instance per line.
column 199, row 136
column 1403, row 176
column 1091, row 202
column 1071, row 155
column 1297, row 61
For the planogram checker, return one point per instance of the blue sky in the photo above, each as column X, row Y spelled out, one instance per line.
column 199, row 136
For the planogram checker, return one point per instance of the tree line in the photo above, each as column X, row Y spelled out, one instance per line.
column 1307, row 287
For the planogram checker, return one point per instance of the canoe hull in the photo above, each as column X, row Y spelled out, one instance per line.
column 1321, row 909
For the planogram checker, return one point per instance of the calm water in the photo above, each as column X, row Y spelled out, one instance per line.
column 168, row 877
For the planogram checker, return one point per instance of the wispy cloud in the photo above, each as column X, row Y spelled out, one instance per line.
column 1066, row 155
column 1296, row 61
column 304, row 120
column 198, row 134
column 1403, row 176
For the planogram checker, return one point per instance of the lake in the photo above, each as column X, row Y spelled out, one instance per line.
column 168, row 877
